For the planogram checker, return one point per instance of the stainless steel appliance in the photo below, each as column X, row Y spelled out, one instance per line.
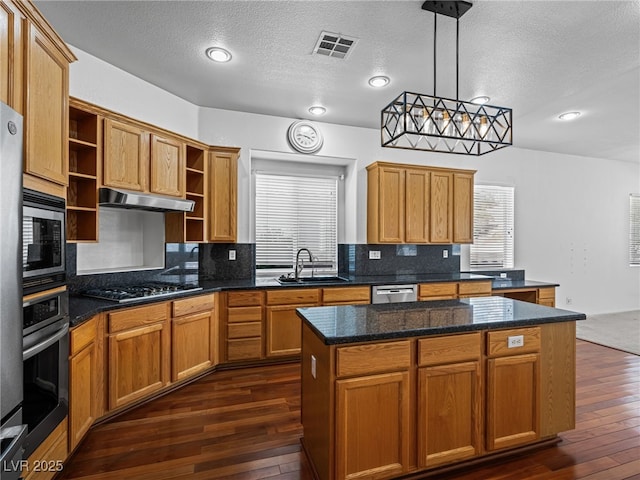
column 394, row 293
column 45, row 354
column 115, row 197
column 132, row 293
column 12, row 430
column 43, row 241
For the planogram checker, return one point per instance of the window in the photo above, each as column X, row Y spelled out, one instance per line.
column 634, row 230
column 492, row 227
column 293, row 212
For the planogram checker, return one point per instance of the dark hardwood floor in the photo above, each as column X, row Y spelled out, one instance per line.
column 244, row 424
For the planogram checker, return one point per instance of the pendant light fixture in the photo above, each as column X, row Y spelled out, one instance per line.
column 416, row 121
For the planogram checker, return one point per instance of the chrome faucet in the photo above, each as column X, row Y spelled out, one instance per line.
column 300, row 262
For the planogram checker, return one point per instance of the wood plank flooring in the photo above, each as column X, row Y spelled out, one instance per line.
column 245, row 425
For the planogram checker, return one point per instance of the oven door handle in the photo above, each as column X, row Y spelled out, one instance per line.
column 18, row 434
column 31, row 351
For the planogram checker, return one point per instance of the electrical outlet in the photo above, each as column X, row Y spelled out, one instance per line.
column 374, row 254
column 232, row 254
column 445, row 253
column 515, row 341
column 313, row 366
column 569, row 300
column 503, row 275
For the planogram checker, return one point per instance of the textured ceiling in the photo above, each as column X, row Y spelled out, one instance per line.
column 540, row 58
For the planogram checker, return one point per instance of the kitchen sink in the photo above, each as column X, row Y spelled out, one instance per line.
column 311, row 280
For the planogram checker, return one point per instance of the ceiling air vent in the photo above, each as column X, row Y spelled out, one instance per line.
column 334, row 45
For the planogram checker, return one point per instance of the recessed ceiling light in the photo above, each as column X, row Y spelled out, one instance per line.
column 379, row 81
column 317, row 110
column 481, row 100
column 218, row 54
column 569, row 115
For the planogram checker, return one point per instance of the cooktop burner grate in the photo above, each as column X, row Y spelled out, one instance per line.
column 131, row 293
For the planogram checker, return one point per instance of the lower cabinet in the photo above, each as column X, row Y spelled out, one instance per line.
column 139, row 341
column 453, row 290
column 48, row 459
column 243, row 325
column 284, row 329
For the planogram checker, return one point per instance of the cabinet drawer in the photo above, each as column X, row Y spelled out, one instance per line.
column 474, row 288
column 244, row 298
column 498, row 341
column 136, row 317
column 449, row 290
column 289, row 296
column 244, row 314
column 449, row 349
column 547, row 293
column 244, row 330
column 244, row 349
column 346, row 295
column 191, row 305
column 373, row 358
column 82, row 336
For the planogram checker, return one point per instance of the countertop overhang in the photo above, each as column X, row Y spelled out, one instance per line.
column 365, row 323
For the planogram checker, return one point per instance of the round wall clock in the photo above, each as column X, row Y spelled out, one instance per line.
column 304, row 137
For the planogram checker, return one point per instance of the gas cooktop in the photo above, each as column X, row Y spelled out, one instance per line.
column 131, row 293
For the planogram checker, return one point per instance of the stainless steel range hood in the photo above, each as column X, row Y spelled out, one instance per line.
column 115, row 197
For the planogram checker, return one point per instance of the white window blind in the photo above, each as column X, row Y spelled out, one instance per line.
column 294, row 212
column 634, row 230
column 492, row 227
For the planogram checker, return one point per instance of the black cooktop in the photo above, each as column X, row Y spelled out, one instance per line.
column 131, row 293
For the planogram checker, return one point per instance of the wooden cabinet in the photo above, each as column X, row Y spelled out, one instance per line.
column 542, row 296
column 139, row 359
column 346, row 295
column 453, row 290
column 11, row 56
column 513, row 387
column 547, row 296
column 86, row 378
column 46, row 112
column 283, row 325
column 50, row 455
column 126, row 156
column 85, row 159
column 194, row 339
column 449, row 399
column 372, row 437
column 415, row 204
column 243, row 325
column 167, row 170
column 223, row 186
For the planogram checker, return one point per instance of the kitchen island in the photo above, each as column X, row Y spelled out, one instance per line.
column 410, row 388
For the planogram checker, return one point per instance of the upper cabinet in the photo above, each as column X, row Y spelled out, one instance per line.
column 126, row 156
column 167, row 166
column 416, row 204
column 223, row 185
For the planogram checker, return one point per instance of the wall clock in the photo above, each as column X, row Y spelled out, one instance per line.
column 304, row 137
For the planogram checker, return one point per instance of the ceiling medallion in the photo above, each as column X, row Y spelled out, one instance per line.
column 417, row 121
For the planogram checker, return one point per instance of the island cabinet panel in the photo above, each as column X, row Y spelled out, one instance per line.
column 372, row 426
column 139, row 356
column 373, row 358
column 167, row 166
column 126, row 156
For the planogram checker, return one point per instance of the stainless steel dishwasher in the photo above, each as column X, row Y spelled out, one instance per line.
column 394, row 293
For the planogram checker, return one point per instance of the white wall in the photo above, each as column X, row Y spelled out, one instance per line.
column 571, row 212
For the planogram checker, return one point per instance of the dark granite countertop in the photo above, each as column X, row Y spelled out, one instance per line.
column 364, row 323
column 82, row 308
column 507, row 284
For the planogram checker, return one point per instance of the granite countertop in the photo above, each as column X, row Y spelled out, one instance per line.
column 82, row 308
column 364, row 323
column 507, row 284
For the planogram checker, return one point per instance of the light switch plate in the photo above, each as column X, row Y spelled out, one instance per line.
column 374, row 254
column 232, row 254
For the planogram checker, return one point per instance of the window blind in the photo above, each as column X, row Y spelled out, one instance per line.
column 294, row 212
column 634, row 230
column 492, row 227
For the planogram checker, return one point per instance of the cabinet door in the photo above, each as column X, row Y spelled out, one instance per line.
column 138, row 363
column 416, row 206
column 167, row 166
column 512, row 401
column 82, row 378
column 372, row 437
column 462, row 208
column 284, row 330
column 126, row 156
column 223, row 184
column 449, row 406
column 11, row 56
column 46, row 114
column 441, row 195
column 391, row 205
column 191, row 345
